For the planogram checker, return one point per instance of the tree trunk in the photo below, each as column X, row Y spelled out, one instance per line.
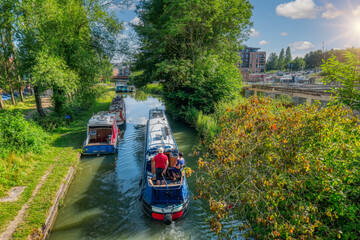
column 39, row 107
column 1, row 103
column 12, row 96
column 21, row 89
column 21, row 94
column 59, row 98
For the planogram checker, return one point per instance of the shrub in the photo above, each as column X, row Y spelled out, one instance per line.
column 286, row 173
column 18, row 135
column 153, row 88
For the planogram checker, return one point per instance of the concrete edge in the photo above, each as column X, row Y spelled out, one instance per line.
column 54, row 209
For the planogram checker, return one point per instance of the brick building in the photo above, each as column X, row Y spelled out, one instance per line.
column 253, row 61
column 121, row 71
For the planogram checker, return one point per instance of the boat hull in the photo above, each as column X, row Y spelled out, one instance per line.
column 160, row 215
column 99, row 149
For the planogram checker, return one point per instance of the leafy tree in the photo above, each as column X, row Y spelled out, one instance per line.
column 284, row 173
column 272, row 62
column 298, row 64
column 313, row 59
column 191, row 45
column 288, row 57
column 344, row 77
column 79, row 36
column 281, row 60
column 8, row 77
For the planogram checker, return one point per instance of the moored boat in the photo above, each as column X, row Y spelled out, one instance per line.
column 170, row 201
column 117, row 107
column 102, row 134
column 121, row 86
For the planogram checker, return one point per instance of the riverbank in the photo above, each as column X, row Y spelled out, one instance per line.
column 42, row 174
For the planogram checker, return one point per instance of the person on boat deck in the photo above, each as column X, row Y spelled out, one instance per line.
column 175, row 170
column 161, row 163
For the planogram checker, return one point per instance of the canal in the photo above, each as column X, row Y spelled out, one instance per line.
column 102, row 200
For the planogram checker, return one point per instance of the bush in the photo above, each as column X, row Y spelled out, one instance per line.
column 18, row 135
column 285, row 173
column 153, row 88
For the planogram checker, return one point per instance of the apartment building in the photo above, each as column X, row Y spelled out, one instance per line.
column 253, row 61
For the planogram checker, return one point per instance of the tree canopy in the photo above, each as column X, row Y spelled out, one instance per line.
column 344, row 77
column 191, row 46
column 65, row 46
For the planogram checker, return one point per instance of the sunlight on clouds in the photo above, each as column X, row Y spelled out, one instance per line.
column 302, row 45
column 356, row 12
column 297, row 9
column 331, row 12
column 263, row 42
column 254, row 33
column 136, row 21
column 284, row 34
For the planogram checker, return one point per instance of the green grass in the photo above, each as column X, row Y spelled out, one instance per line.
column 62, row 151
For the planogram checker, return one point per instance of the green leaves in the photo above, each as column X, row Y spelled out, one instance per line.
column 289, row 172
column 344, row 77
column 191, row 45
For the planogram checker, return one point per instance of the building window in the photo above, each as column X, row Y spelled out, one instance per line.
column 256, row 56
column 250, row 65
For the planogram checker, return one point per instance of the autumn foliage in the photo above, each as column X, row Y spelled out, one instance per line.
column 284, row 173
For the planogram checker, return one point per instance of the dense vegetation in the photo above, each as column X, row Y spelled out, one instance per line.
column 284, row 61
column 285, row 173
column 344, row 78
column 313, row 59
column 191, row 47
column 18, row 135
column 64, row 46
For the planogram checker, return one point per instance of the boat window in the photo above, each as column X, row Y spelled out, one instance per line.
column 99, row 135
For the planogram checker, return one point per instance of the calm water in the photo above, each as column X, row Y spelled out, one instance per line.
column 102, row 201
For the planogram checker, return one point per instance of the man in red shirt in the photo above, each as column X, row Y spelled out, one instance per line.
column 161, row 164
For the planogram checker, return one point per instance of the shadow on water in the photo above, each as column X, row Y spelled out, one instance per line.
column 102, row 201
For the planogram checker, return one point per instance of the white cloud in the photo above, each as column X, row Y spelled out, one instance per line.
column 302, row 45
column 135, row 21
column 263, row 42
column 356, row 12
column 132, row 7
column 254, row 33
column 297, row 9
column 331, row 12
column 126, row 25
column 284, row 34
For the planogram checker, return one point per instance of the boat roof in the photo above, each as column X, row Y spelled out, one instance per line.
column 159, row 133
column 101, row 119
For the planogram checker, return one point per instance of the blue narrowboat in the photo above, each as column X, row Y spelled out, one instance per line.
column 121, row 86
column 102, row 134
column 170, row 201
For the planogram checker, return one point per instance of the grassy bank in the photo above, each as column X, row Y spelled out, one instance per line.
column 59, row 153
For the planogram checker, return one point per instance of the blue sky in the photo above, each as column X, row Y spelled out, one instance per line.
column 301, row 24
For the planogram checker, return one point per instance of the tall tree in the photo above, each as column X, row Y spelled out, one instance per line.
column 272, row 62
column 281, row 60
column 313, row 59
column 78, row 36
column 288, row 57
column 192, row 46
column 298, row 64
column 8, row 77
